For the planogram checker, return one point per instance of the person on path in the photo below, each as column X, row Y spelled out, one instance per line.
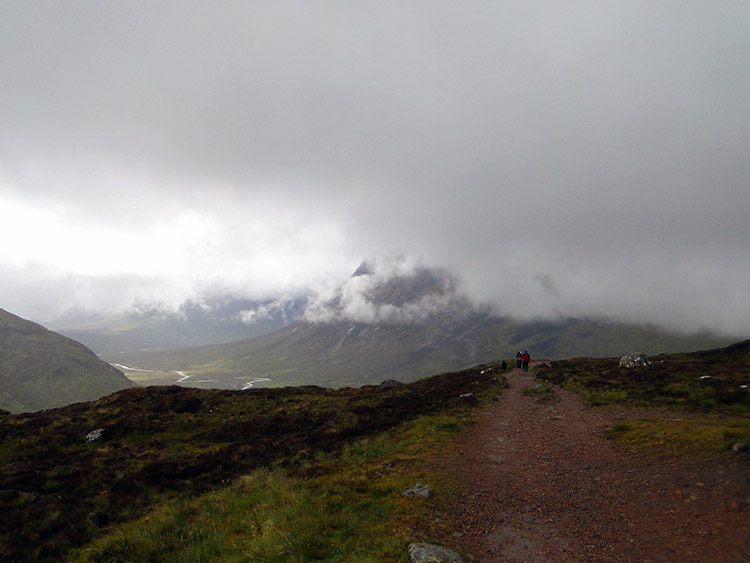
column 519, row 359
column 526, row 358
column 504, row 365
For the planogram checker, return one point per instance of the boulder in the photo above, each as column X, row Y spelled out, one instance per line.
column 95, row 435
column 390, row 383
column 418, row 490
column 741, row 447
column 637, row 359
column 428, row 553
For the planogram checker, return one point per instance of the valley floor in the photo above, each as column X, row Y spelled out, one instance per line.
column 544, row 484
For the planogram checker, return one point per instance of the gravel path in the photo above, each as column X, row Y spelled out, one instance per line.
column 544, row 484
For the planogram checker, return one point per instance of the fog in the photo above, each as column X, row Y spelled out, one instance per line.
column 560, row 159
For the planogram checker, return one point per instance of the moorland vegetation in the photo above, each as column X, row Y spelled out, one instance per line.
column 709, row 379
column 309, row 473
column 704, row 398
column 188, row 474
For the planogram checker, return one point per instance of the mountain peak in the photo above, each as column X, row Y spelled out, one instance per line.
column 363, row 269
column 392, row 291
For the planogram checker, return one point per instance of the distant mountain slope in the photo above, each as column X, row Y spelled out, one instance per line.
column 403, row 326
column 196, row 322
column 40, row 369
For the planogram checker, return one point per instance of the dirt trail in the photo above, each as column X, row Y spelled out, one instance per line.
column 544, row 484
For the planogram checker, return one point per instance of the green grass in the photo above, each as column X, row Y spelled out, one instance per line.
column 344, row 508
column 702, row 437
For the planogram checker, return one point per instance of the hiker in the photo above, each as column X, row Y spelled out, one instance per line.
column 519, row 359
column 526, row 358
column 504, row 365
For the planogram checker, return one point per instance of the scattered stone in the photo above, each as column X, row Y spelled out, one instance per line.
column 741, row 447
column 638, row 359
column 95, row 435
column 467, row 395
column 428, row 553
column 419, row 491
column 390, row 383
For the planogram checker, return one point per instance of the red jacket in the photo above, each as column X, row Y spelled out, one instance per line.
column 526, row 357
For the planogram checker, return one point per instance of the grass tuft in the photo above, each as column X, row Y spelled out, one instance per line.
column 703, row 437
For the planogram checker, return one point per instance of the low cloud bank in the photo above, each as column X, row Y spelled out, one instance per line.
column 401, row 290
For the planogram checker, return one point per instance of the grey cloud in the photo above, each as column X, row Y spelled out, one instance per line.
column 389, row 290
column 596, row 149
column 42, row 293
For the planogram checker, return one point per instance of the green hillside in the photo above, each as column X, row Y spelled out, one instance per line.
column 40, row 369
column 341, row 353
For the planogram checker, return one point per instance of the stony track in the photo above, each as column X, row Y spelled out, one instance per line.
column 542, row 483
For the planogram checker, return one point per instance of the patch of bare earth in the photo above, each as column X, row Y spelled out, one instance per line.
column 542, row 483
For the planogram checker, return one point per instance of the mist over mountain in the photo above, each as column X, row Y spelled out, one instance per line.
column 40, row 369
column 397, row 319
column 391, row 291
column 210, row 319
column 381, row 290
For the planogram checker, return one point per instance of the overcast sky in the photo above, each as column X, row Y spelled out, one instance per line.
column 561, row 157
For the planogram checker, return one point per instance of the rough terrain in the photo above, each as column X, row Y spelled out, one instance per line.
column 543, row 483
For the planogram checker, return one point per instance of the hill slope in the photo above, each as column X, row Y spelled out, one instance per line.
column 350, row 354
column 40, row 369
column 396, row 326
column 182, row 474
column 59, row 491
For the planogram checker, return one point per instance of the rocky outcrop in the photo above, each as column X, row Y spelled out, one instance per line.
column 418, row 490
column 95, row 435
column 637, row 359
column 428, row 553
